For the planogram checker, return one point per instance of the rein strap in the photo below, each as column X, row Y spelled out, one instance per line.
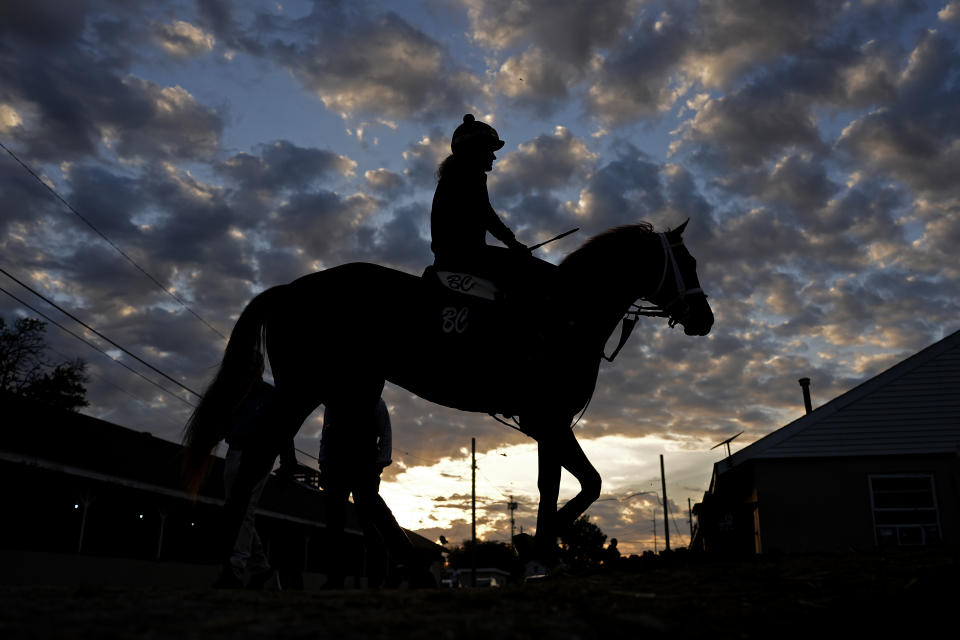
column 629, row 322
column 631, row 317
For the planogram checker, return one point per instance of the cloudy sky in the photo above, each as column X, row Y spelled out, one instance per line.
column 229, row 146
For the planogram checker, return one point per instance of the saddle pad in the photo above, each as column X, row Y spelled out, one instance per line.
column 468, row 284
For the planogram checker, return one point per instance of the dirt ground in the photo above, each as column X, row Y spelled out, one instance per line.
column 678, row 596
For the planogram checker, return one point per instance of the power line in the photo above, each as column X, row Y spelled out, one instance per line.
column 110, row 242
column 84, row 324
column 135, row 397
column 493, row 486
column 410, row 455
column 93, row 346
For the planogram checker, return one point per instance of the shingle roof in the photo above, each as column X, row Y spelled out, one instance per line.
column 912, row 407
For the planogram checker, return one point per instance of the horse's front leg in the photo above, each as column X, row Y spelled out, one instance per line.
column 573, row 459
column 558, row 448
column 548, row 482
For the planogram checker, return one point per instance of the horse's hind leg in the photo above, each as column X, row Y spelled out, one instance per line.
column 274, row 431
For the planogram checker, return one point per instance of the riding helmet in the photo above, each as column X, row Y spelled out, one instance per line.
column 474, row 135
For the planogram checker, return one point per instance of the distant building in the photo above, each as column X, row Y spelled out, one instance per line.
column 76, row 484
column 878, row 466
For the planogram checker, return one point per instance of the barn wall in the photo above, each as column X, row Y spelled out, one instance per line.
column 823, row 504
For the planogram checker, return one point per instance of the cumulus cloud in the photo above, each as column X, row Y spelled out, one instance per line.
column 358, row 64
column 639, row 78
column 168, row 121
column 284, row 165
column 9, row 119
column 915, row 138
column 401, row 242
column 424, row 156
column 623, row 191
column 535, row 79
column 89, row 98
column 749, row 127
column 182, row 40
column 569, row 30
column 386, row 183
column 558, row 44
column 950, row 12
column 734, row 36
column 323, row 224
column 796, row 180
column 549, row 161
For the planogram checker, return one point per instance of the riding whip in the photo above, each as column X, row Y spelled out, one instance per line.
column 562, row 235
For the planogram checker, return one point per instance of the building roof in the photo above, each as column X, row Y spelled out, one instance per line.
column 82, row 446
column 911, row 408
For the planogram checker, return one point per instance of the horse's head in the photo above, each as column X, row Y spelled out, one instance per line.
column 679, row 294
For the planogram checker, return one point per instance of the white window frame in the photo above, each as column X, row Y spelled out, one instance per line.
column 935, row 509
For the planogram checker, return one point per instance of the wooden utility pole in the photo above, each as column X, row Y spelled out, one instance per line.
column 512, row 506
column 473, row 511
column 666, row 514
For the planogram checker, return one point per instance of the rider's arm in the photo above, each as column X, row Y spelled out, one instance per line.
column 495, row 225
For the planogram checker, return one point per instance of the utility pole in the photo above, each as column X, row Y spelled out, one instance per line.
column 512, row 506
column 666, row 515
column 690, row 518
column 473, row 511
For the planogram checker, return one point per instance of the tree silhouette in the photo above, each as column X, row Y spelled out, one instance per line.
column 26, row 371
column 582, row 543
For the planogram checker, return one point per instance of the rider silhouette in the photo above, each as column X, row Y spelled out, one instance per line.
column 461, row 214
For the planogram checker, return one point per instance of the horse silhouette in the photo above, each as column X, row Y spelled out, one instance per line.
column 334, row 337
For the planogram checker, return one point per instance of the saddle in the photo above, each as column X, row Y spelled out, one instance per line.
column 465, row 304
column 475, row 306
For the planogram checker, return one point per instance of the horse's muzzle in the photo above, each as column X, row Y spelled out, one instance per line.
column 699, row 317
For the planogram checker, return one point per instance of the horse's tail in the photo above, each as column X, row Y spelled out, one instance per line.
column 239, row 372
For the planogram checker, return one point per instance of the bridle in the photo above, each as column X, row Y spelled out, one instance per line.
column 631, row 317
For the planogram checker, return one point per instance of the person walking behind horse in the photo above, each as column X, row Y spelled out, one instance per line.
column 355, row 447
column 461, row 214
column 248, row 557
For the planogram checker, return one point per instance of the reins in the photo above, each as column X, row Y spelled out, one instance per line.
column 631, row 317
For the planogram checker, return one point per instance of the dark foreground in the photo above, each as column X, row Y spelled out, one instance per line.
column 678, row 597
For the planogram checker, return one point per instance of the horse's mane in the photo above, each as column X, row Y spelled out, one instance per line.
column 610, row 241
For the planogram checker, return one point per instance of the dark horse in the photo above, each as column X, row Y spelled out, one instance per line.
column 335, row 336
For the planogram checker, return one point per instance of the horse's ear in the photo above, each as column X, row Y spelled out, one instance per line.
column 679, row 230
